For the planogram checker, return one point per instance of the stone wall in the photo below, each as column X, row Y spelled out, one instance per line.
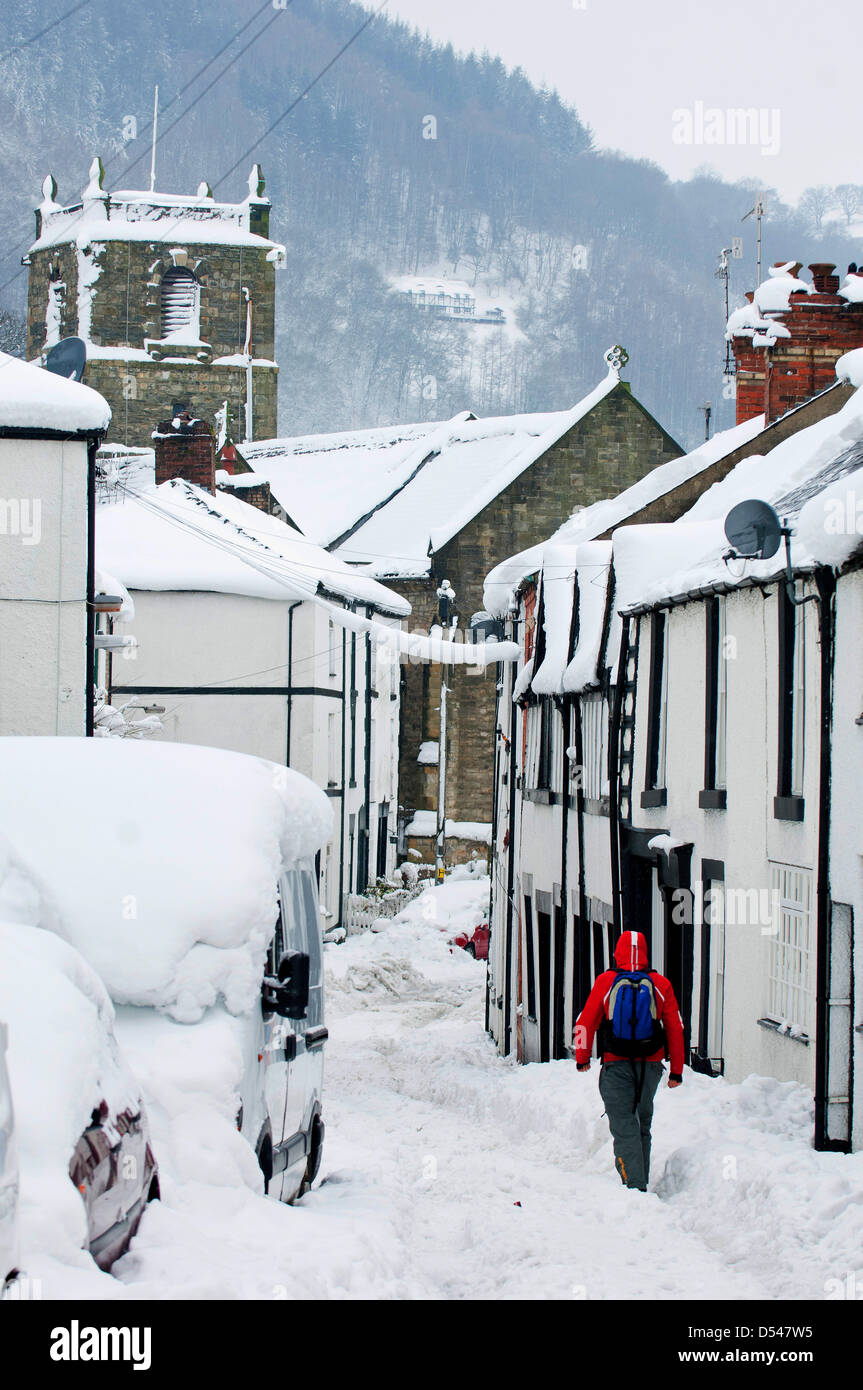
column 607, row 451
column 125, row 312
column 141, row 392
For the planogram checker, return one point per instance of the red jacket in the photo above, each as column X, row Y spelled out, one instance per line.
column 630, row 954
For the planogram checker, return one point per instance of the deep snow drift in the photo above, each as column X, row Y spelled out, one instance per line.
column 450, row 1172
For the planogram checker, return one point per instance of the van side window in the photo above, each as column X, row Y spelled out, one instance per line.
column 302, row 930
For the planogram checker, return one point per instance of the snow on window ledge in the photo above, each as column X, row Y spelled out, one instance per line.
column 785, row 1029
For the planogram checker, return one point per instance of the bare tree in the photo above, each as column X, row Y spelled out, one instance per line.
column 815, row 203
column 849, row 197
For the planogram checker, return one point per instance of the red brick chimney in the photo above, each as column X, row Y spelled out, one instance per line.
column 774, row 377
column 185, row 449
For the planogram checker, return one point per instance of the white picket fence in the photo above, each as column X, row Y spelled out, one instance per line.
column 360, row 911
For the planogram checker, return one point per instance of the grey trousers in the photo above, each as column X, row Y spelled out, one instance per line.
column 630, row 1129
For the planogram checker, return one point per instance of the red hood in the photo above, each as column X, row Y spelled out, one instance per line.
column 630, row 953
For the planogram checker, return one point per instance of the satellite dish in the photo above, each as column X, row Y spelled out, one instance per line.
column 753, row 530
column 68, row 358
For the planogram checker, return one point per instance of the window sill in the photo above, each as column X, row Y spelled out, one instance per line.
column 788, row 808
column 541, row 795
column 783, row 1031
column 713, row 799
column 656, row 796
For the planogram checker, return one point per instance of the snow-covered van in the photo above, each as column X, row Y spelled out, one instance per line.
column 186, row 877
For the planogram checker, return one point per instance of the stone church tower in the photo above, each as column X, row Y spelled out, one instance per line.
column 172, row 296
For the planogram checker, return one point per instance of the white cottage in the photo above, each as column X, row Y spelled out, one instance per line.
column 50, row 429
column 253, row 638
column 683, row 756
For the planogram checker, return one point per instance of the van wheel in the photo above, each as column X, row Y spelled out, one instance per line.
column 265, row 1158
column 154, row 1194
column 314, row 1160
column 470, row 950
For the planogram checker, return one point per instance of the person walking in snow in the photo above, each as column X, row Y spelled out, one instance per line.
column 634, row 1010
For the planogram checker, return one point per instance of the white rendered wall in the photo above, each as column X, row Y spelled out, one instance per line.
column 43, row 567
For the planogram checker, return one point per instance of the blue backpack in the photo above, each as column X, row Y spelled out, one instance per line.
column 633, row 1028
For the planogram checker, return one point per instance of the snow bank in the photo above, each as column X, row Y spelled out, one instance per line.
column 423, row 826
column 33, row 399
column 850, row 364
column 161, row 859
column 774, row 293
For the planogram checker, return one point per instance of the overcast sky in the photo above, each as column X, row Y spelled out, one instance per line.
column 629, row 65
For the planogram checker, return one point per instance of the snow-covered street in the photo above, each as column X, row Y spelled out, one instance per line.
column 451, row 1173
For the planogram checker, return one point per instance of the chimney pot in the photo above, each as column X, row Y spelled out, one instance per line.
column 185, row 448
column 823, row 279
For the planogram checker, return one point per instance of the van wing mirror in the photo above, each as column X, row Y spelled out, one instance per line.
column 288, row 994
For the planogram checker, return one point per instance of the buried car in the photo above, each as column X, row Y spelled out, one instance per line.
column 186, row 876
column 86, row 1167
column 473, row 940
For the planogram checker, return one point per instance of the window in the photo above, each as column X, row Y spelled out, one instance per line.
column 715, row 704
column 594, row 747
column 543, row 771
column 531, row 965
column 657, row 713
column 792, row 708
column 333, row 668
column 791, row 983
column 180, row 302
column 712, row 1007
column 383, row 838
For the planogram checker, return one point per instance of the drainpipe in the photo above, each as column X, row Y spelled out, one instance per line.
column 367, row 787
column 290, row 680
column 613, row 778
column 344, row 809
column 578, row 976
column 89, row 693
column 510, row 872
column 826, row 584
column 563, row 709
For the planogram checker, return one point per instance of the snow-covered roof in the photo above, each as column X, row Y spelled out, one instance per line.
column 429, row 284
column 33, row 399
column 812, row 479
column 138, row 215
column 403, row 492
column 589, row 522
column 160, row 860
column 178, row 536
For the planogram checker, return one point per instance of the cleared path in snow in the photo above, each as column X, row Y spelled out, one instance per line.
column 453, row 1138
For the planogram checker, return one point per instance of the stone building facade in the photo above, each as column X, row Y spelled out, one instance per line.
column 609, row 448
column 158, row 287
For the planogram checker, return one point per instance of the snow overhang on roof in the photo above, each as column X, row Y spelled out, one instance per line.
column 587, row 523
column 139, row 215
column 178, row 537
column 34, row 401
